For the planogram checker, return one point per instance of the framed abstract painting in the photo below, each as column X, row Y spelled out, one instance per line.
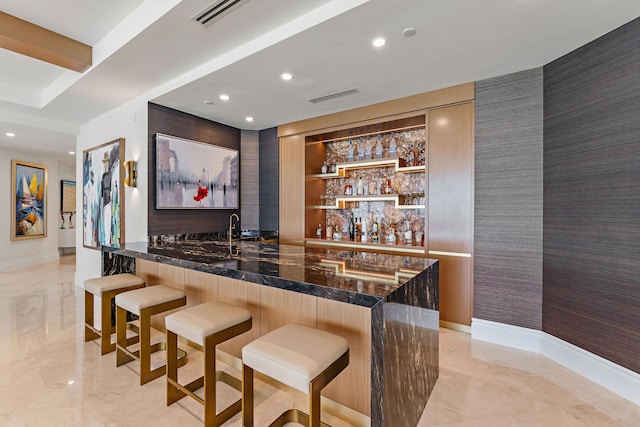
column 103, row 195
column 195, row 175
column 29, row 206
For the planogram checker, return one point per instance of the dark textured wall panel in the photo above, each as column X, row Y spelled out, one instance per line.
column 269, row 179
column 592, row 197
column 176, row 123
column 508, row 199
column 250, row 185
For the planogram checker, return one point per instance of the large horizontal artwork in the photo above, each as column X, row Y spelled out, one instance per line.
column 103, row 195
column 29, row 205
column 195, row 175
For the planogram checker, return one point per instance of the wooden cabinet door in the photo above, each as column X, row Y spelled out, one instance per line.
column 450, row 219
column 292, row 179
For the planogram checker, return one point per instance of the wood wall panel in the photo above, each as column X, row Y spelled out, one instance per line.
column 354, row 324
column 456, row 298
column 292, row 181
column 200, row 287
column 245, row 295
column 269, row 165
column 147, row 270
column 176, row 123
column 591, row 265
column 508, row 199
column 280, row 307
column 450, row 178
column 380, row 111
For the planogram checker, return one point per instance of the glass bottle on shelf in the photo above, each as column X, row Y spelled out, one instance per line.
column 379, row 148
column 361, row 150
column 373, row 187
column 391, row 236
column 392, row 145
column 352, row 228
column 375, row 231
column 329, row 234
column 350, row 151
column 319, row 231
column 363, row 226
column 360, row 187
column 410, row 157
column 367, row 149
column 422, row 157
column 358, row 230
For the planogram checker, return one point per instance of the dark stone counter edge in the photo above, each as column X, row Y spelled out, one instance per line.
column 334, row 294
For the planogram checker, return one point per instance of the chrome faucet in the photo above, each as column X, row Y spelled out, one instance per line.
column 232, row 226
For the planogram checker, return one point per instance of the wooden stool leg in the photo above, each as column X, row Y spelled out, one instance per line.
column 106, row 328
column 210, row 384
column 145, row 347
column 121, row 337
column 247, row 396
column 173, row 393
column 89, row 333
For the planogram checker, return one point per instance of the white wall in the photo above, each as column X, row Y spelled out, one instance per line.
column 15, row 255
column 128, row 121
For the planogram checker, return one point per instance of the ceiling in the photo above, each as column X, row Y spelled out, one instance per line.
column 152, row 49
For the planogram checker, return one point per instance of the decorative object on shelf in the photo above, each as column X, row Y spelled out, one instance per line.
column 103, row 195
column 29, row 204
column 195, row 175
column 130, row 173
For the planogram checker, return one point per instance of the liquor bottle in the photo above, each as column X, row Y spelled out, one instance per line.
column 361, row 150
column 365, row 231
column 360, row 187
column 329, row 233
column 422, row 157
column 367, row 149
column 375, row 231
column 350, row 151
column 391, row 236
column 319, row 231
column 358, row 230
column 392, row 146
column 379, row 148
column 352, row 229
column 408, row 236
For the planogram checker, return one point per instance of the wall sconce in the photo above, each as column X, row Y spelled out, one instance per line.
column 130, row 173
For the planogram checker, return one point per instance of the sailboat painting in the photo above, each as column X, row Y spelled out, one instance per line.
column 29, row 192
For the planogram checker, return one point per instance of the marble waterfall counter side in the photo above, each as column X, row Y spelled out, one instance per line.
column 400, row 292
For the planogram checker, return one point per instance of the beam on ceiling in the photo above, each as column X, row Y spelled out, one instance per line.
column 32, row 40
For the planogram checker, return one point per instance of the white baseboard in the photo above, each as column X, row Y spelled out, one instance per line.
column 603, row 372
column 28, row 262
column 507, row 335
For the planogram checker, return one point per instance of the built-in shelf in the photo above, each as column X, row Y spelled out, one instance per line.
column 341, row 201
column 374, row 247
column 342, row 168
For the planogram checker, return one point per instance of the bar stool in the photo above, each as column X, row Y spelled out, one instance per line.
column 144, row 302
column 208, row 325
column 106, row 288
column 304, row 358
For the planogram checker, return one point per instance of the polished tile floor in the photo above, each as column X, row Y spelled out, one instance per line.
column 50, row 377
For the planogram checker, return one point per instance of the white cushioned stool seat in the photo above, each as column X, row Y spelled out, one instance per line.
column 106, row 288
column 302, row 357
column 139, row 299
column 208, row 325
column 294, row 354
column 198, row 322
column 144, row 302
column 99, row 285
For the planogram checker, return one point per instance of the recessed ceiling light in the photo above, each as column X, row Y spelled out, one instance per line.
column 286, row 76
column 249, row 119
column 10, row 134
column 224, row 97
column 208, row 102
column 72, row 152
column 379, row 42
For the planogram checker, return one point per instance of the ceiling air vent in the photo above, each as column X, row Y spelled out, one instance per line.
column 216, row 10
column 334, row 96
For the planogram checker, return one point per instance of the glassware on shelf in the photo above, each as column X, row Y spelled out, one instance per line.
column 392, row 145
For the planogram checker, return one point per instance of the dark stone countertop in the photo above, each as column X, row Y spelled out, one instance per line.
column 361, row 278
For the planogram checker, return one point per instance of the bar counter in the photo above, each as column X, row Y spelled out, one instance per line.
column 386, row 306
